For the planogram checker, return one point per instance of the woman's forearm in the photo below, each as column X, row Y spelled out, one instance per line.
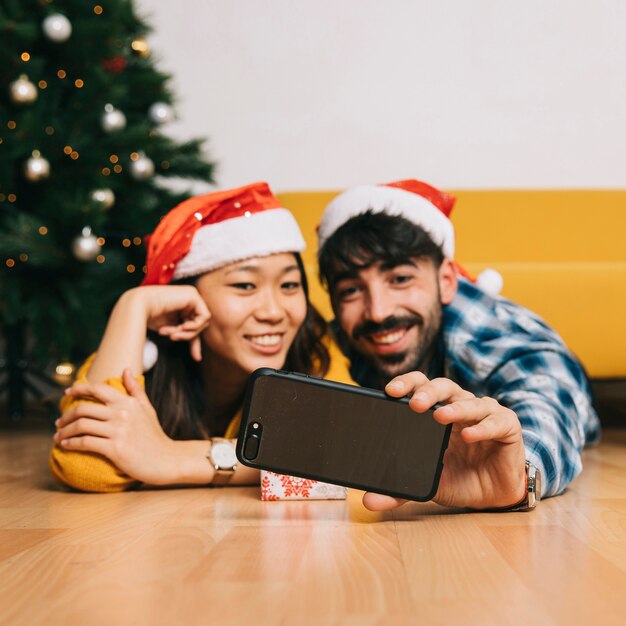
column 123, row 340
column 191, row 466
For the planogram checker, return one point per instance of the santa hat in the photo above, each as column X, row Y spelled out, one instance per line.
column 418, row 202
column 207, row 232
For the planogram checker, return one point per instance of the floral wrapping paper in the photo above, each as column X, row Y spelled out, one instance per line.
column 281, row 487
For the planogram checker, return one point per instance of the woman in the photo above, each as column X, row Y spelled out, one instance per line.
column 224, row 294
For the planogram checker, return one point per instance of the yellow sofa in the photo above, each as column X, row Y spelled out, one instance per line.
column 561, row 253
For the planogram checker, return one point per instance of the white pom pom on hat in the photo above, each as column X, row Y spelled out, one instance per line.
column 150, row 355
column 490, row 281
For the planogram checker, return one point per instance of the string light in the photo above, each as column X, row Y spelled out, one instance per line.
column 114, row 158
column 165, row 165
column 126, row 243
column 106, row 171
column 101, row 241
column 61, row 73
column 25, row 57
column 117, row 169
column 11, row 197
column 11, row 124
column 74, row 155
column 23, row 257
column 134, row 156
column 10, row 263
column 98, row 10
column 49, row 130
column 67, row 150
column 43, row 230
column 79, row 83
column 137, row 241
column 42, row 84
column 101, row 258
column 64, row 369
column 140, row 47
column 130, row 268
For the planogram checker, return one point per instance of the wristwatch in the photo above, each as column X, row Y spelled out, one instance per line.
column 223, row 458
column 533, row 490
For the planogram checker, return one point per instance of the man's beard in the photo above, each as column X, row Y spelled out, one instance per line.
column 417, row 357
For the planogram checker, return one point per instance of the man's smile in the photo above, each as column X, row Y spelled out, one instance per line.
column 390, row 341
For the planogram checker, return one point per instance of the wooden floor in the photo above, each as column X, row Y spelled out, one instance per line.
column 203, row 556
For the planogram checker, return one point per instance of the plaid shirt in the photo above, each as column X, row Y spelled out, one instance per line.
column 494, row 347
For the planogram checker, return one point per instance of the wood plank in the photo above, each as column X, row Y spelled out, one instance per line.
column 198, row 555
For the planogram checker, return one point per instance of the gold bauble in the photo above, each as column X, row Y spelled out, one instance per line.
column 64, row 373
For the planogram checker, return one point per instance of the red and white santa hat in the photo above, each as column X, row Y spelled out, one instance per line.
column 418, row 202
column 415, row 201
column 207, row 232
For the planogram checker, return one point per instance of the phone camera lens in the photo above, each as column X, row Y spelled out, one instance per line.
column 253, row 441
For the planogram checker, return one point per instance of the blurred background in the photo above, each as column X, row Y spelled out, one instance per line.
column 327, row 94
column 111, row 112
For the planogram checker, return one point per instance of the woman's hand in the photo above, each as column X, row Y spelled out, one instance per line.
column 484, row 463
column 123, row 428
column 175, row 311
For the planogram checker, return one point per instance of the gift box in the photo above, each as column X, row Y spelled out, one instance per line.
column 281, row 487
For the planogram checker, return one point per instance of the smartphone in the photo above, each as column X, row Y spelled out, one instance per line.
column 342, row 434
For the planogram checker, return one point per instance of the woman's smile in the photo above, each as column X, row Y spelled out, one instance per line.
column 267, row 343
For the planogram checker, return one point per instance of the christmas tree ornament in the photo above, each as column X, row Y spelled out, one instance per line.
column 104, row 198
column 36, row 168
column 57, row 28
column 22, row 91
column 140, row 47
column 142, row 167
column 64, row 373
column 161, row 113
column 86, row 247
column 113, row 119
column 114, row 65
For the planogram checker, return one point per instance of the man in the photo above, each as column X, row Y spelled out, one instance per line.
column 518, row 400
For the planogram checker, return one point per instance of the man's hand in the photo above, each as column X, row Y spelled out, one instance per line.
column 123, row 428
column 484, row 462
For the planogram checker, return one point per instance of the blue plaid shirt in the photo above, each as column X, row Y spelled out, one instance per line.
column 494, row 347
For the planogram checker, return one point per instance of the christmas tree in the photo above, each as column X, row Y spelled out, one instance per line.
column 83, row 157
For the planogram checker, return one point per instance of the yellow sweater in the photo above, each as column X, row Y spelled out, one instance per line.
column 88, row 471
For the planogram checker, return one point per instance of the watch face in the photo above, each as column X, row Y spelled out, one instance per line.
column 223, row 454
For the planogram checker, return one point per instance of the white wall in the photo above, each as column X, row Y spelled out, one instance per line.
column 311, row 94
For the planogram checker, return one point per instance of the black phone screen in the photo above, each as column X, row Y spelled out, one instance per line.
column 342, row 434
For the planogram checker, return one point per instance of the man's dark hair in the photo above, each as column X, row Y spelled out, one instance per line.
column 370, row 238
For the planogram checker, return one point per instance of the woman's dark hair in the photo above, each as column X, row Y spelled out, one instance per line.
column 370, row 238
column 174, row 384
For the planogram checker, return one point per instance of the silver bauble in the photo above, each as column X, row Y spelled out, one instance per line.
column 113, row 119
column 22, row 91
column 57, row 28
column 86, row 247
column 36, row 168
column 161, row 113
column 141, row 168
column 104, row 198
